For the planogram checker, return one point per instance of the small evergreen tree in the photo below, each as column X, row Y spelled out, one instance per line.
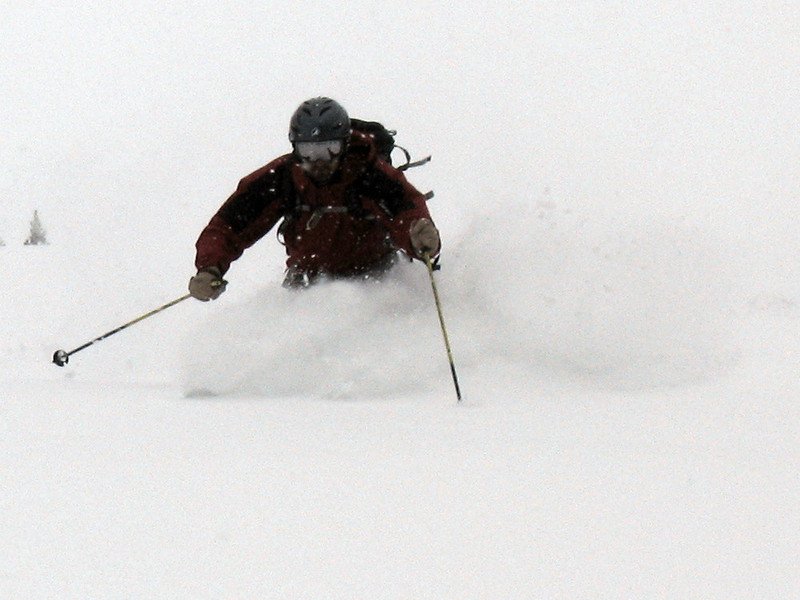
column 2, row 243
column 37, row 235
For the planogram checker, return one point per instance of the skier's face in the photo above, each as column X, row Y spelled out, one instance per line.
column 320, row 160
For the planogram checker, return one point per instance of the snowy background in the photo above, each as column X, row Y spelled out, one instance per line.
column 617, row 189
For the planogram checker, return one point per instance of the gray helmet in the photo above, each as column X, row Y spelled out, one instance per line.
column 319, row 120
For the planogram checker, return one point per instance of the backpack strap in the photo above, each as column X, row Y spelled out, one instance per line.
column 408, row 164
column 319, row 212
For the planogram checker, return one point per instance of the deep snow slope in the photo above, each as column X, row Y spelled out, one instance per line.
column 335, row 462
column 617, row 190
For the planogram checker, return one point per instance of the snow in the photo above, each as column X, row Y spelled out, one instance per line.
column 616, row 187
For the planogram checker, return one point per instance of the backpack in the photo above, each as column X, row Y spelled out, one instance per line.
column 384, row 142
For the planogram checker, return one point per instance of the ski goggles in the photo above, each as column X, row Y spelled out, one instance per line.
column 314, row 151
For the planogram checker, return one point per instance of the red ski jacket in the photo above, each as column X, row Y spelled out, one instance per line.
column 343, row 227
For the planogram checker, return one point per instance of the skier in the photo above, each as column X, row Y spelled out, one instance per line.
column 347, row 213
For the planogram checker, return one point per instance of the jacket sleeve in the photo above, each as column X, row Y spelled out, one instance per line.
column 399, row 204
column 251, row 211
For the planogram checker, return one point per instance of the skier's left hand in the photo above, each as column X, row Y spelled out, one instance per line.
column 424, row 238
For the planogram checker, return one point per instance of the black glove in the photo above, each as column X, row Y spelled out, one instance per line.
column 207, row 285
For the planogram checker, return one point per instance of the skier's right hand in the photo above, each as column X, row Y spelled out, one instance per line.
column 207, row 285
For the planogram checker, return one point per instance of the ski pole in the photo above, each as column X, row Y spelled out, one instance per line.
column 441, row 322
column 61, row 357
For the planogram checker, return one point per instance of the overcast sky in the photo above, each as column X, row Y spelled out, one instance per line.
column 124, row 116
